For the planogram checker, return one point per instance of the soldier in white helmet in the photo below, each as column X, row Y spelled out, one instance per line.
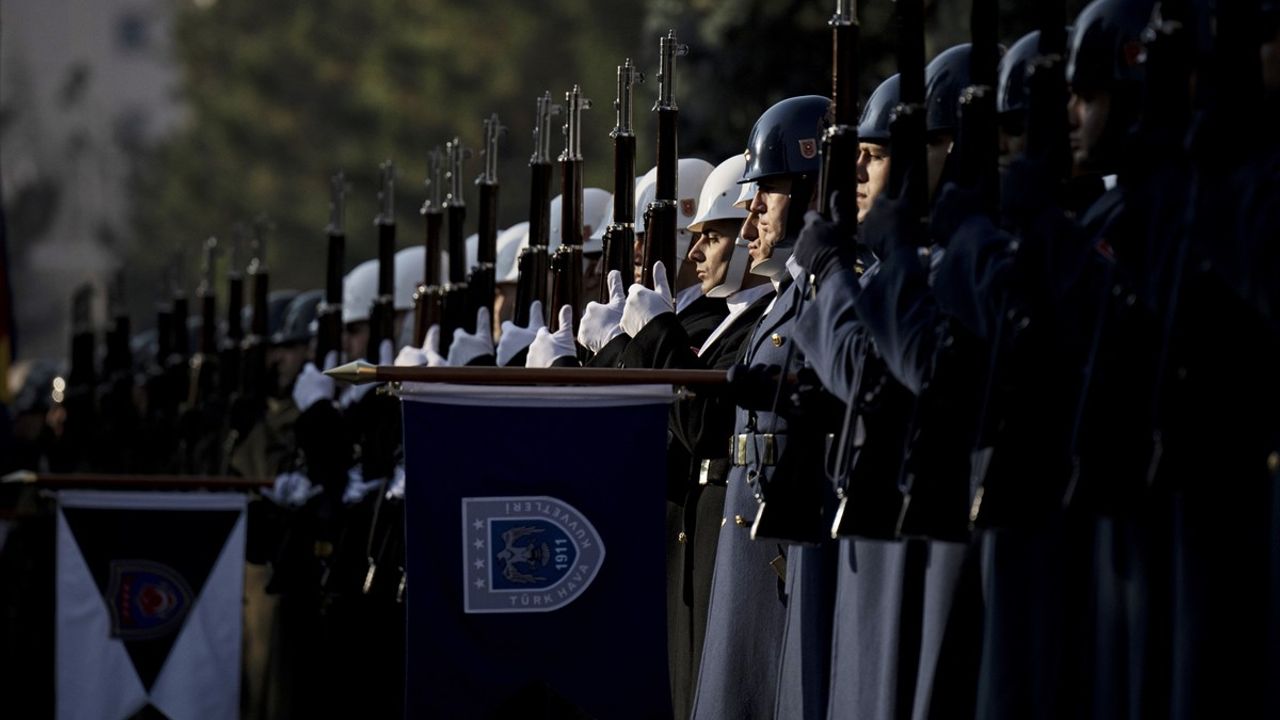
column 698, row 465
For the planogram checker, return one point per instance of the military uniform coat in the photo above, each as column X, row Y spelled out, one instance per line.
column 742, row 658
column 700, row 430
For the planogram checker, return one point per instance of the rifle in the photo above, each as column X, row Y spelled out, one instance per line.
column 978, row 142
column 620, row 236
column 329, row 314
column 382, row 317
column 254, row 381
column 77, row 394
column 202, row 413
column 534, row 261
column 204, row 364
column 483, row 281
column 660, row 221
column 566, row 265
column 230, row 361
column 119, row 358
column 115, row 446
column 428, row 296
column 455, row 312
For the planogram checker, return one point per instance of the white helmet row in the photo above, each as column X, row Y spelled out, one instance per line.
column 359, row 288
column 510, row 242
column 595, row 203
column 692, row 175
column 720, row 194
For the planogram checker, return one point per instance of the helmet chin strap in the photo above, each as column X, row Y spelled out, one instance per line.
column 734, row 277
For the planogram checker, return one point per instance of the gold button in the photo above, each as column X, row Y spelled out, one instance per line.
column 682, row 537
column 739, row 521
column 1273, row 462
column 323, row 549
column 777, row 340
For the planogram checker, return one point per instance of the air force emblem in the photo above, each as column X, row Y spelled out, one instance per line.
column 147, row 599
column 808, row 148
column 526, row 554
column 688, row 206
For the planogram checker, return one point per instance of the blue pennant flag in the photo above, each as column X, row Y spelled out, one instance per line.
column 534, row 551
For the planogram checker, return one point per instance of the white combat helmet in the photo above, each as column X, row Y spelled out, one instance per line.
column 599, row 223
column 409, row 269
column 692, row 175
column 593, row 202
column 720, row 194
column 719, row 201
column 510, row 242
column 596, row 241
column 359, row 288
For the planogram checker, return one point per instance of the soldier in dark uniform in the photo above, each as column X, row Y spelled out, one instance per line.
column 700, row 425
column 742, row 657
column 882, row 664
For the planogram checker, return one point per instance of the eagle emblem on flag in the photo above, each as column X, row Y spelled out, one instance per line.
column 526, row 554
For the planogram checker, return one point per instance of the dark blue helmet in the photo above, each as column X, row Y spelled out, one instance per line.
column 1012, row 95
column 786, row 138
column 298, row 317
column 873, row 126
column 946, row 76
column 1106, row 45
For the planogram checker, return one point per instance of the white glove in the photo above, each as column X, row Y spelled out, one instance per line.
column 411, row 356
column 602, row 323
column 548, row 346
column 395, row 488
column 516, row 338
column 357, row 486
column 354, row 393
column 469, row 346
column 292, row 490
column 644, row 304
column 313, row 386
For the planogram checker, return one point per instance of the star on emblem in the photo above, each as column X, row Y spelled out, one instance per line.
column 479, row 564
column 479, row 544
column 479, row 524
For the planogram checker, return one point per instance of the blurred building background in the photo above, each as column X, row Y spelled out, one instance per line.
column 131, row 130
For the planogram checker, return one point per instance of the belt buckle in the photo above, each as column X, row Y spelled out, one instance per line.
column 769, row 451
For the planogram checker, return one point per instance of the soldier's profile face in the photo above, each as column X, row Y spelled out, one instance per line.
column 767, row 224
column 873, row 175
column 710, row 253
column 1088, row 115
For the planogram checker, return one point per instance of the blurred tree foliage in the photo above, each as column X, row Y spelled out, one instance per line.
column 281, row 95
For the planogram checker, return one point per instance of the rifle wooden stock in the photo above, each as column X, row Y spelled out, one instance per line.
column 482, row 279
column 457, row 244
column 235, row 304
column 531, row 282
column 181, row 341
column 427, row 311
column 660, row 226
column 620, row 236
column 208, row 324
column 566, row 284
